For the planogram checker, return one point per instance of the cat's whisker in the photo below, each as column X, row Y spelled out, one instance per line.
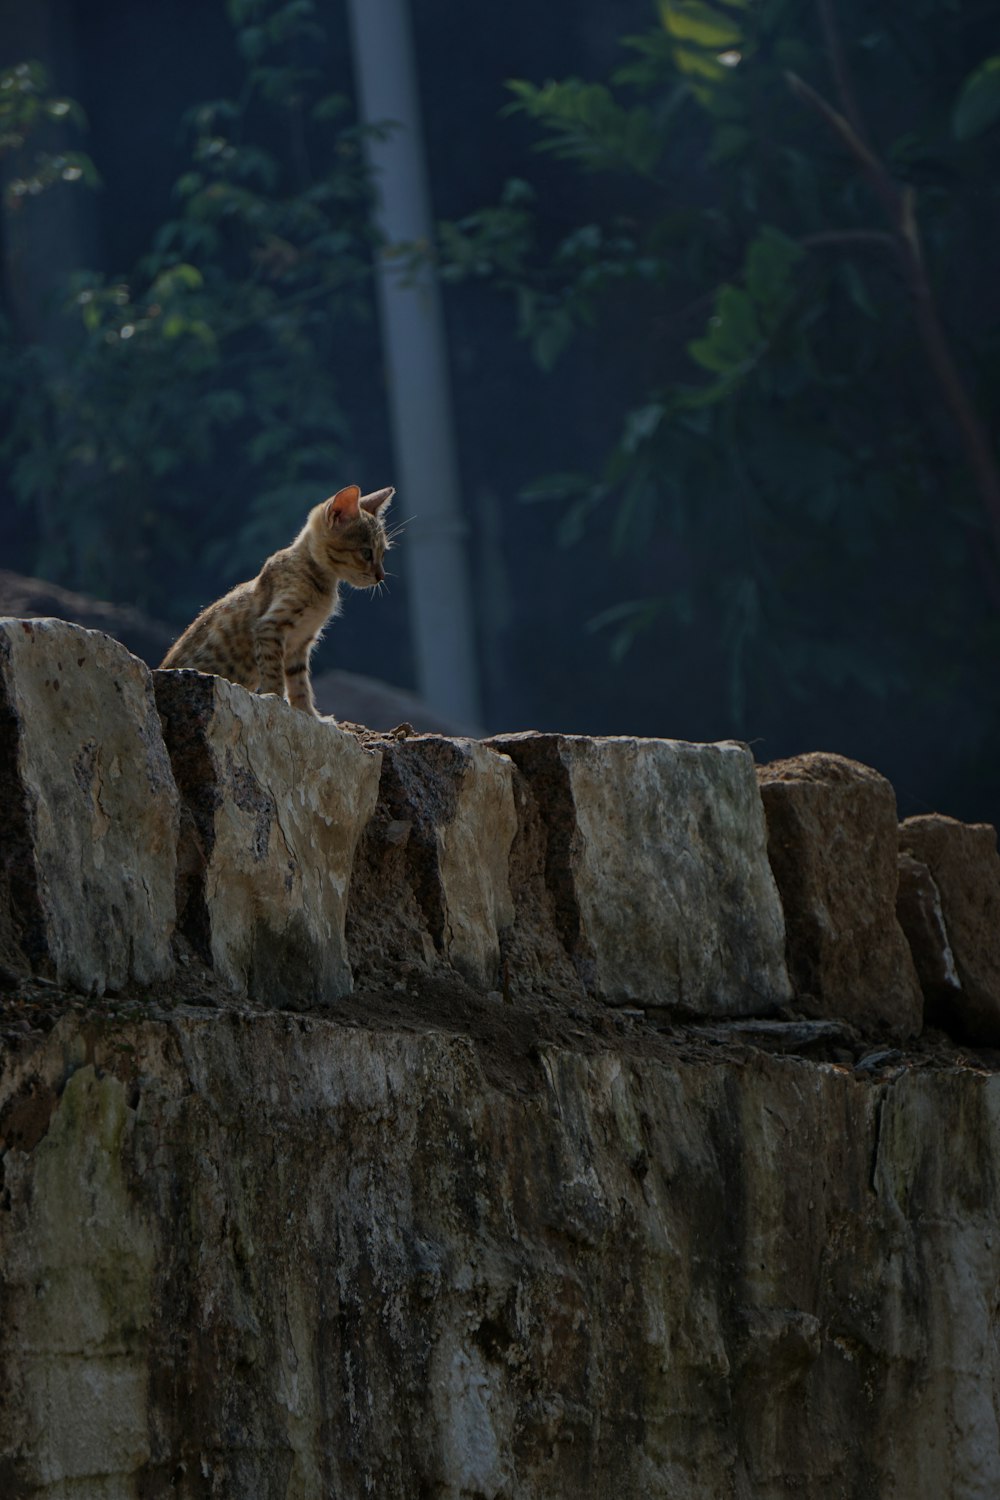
column 397, row 530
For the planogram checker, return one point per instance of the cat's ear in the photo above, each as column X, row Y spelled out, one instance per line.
column 344, row 506
column 374, row 502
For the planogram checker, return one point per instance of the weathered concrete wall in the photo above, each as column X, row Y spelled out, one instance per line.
column 270, row 1256
column 554, row 1192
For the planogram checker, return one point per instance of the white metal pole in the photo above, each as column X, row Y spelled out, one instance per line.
column 434, row 547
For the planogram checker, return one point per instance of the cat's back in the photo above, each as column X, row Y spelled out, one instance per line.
column 220, row 640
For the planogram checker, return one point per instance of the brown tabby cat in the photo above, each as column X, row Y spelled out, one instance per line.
column 262, row 632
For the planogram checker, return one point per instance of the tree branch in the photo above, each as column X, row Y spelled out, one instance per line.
column 873, row 169
column 899, row 205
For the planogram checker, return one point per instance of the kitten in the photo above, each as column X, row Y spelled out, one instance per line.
column 262, row 632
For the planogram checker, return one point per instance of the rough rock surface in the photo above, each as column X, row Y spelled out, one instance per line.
column 647, row 860
column 963, row 864
column 274, row 804
column 918, row 907
column 89, row 810
column 831, row 840
column 269, row 1256
column 431, row 878
column 469, row 1231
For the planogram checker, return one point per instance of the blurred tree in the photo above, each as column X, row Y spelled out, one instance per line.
column 415, row 351
column 819, row 191
column 197, row 409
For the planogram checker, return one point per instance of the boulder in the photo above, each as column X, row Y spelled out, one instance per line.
column 431, row 881
column 955, row 941
column 89, row 811
column 831, row 839
column 274, row 802
column 644, row 861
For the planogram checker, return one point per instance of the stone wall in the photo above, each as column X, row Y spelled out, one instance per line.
column 418, row 1117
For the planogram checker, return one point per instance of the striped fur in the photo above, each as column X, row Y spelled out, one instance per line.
column 261, row 634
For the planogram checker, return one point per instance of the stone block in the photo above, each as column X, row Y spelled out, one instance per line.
column 641, row 874
column 956, row 944
column 918, row 907
column 274, row 802
column 831, row 827
column 89, row 810
column 431, row 879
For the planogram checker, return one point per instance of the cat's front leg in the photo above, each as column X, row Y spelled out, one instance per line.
column 270, row 653
column 298, row 685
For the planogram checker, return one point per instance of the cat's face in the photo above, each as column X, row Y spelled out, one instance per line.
column 355, row 536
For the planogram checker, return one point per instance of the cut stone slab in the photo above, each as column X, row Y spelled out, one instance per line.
column 644, row 861
column 89, row 811
column 831, row 826
column 957, row 947
column 274, row 802
column 431, row 880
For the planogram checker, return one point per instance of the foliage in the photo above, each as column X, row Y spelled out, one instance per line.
column 194, row 407
column 28, row 112
column 978, row 105
column 793, row 445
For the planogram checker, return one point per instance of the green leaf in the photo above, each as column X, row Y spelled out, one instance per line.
column 553, row 332
column 978, row 105
column 252, row 42
column 733, row 335
column 641, row 424
column 700, row 64
column 704, row 25
column 182, row 277
column 631, row 618
column 331, row 107
column 770, row 262
column 188, row 183
column 654, row 65
column 586, row 124
column 574, row 522
column 704, row 353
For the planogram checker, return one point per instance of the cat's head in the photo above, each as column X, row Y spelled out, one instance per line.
column 353, row 535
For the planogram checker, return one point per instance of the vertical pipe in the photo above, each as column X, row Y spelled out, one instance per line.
column 417, row 367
